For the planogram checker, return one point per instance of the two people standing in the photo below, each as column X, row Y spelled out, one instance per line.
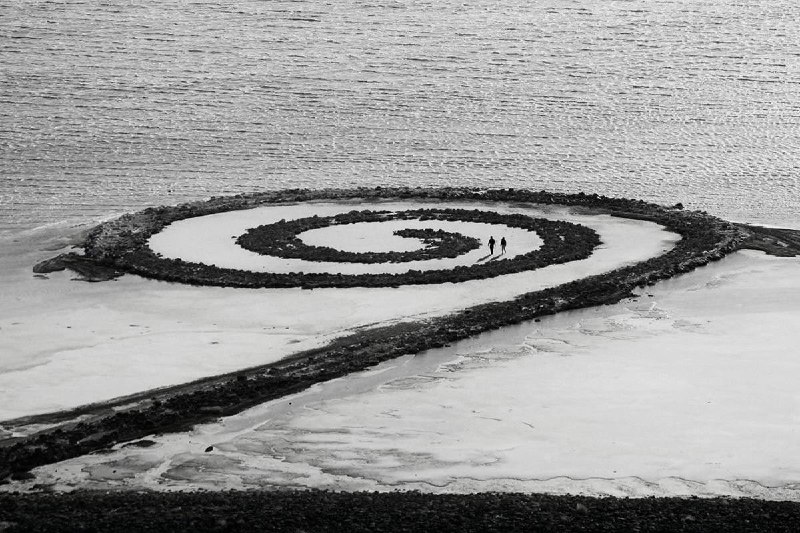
column 502, row 245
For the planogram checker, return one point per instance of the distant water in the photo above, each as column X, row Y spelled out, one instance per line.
column 107, row 107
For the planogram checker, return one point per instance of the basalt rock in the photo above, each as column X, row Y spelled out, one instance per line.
column 86, row 268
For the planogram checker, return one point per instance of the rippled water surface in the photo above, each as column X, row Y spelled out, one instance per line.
column 107, row 107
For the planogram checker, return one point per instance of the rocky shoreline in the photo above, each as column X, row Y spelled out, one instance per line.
column 84, row 430
column 319, row 511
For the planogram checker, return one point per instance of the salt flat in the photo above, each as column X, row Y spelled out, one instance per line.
column 689, row 391
column 66, row 344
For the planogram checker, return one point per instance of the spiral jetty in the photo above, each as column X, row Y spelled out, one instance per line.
column 120, row 246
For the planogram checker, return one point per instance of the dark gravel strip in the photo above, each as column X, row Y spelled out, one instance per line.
column 318, row 511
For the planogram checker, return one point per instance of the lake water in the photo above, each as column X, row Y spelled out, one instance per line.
column 109, row 107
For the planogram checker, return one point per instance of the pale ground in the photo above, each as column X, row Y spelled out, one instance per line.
column 689, row 391
column 65, row 343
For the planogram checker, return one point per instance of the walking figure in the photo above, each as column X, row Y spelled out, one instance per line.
column 502, row 245
column 491, row 245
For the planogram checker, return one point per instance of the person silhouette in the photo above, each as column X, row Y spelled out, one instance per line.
column 491, row 245
column 503, row 245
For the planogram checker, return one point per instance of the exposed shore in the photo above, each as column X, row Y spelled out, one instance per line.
column 317, row 511
column 704, row 239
